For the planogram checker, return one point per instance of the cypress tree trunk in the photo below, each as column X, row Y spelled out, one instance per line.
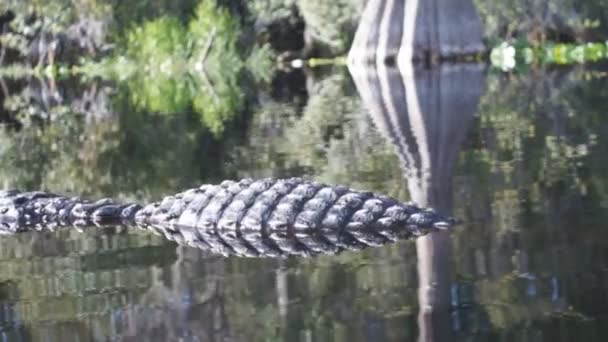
column 426, row 114
column 406, row 30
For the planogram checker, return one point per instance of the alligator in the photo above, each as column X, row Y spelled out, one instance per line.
column 248, row 218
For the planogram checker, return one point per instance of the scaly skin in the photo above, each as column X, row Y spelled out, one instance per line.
column 266, row 217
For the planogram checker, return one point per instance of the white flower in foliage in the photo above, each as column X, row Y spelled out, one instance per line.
column 503, row 56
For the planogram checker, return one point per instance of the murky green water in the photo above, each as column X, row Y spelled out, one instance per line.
column 520, row 158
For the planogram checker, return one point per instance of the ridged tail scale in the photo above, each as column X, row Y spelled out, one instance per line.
column 23, row 210
column 267, row 217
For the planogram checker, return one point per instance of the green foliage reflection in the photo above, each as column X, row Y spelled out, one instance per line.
column 521, row 56
column 196, row 66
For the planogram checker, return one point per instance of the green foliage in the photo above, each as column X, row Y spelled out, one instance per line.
column 572, row 53
column 57, row 14
column 261, row 63
column 208, row 18
column 520, row 56
column 217, row 65
column 158, row 48
column 126, row 14
column 331, row 22
column 269, row 11
column 162, row 94
column 171, row 66
column 122, row 157
column 195, row 66
column 14, row 41
column 331, row 140
column 219, row 104
column 539, row 20
column 156, row 41
column 525, row 149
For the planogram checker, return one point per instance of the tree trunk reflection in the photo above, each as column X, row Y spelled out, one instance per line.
column 425, row 114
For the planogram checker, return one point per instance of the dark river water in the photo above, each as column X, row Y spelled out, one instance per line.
column 519, row 158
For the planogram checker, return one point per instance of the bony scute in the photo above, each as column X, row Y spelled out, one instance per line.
column 267, row 217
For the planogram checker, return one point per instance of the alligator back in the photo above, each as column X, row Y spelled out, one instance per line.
column 252, row 218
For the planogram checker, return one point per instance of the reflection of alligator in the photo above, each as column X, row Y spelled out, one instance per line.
column 246, row 218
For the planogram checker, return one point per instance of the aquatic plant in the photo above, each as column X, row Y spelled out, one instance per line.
column 519, row 56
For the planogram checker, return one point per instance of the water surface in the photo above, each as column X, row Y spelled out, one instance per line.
column 519, row 158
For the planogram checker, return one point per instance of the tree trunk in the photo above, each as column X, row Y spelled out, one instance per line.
column 406, row 30
column 425, row 114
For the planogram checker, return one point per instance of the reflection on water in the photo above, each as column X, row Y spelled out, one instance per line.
column 518, row 158
column 425, row 114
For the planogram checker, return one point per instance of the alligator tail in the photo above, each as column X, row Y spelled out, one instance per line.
column 267, row 217
column 289, row 206
column 23, row 210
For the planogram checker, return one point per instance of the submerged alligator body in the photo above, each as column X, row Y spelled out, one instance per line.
column 268, row 217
